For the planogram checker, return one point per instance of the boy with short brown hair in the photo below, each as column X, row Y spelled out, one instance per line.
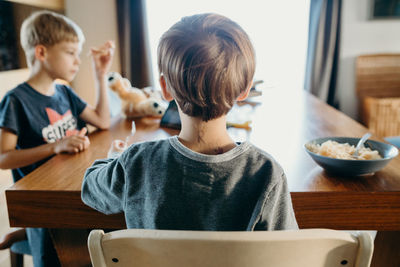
column 200, row 179
column 201, row 68
column 40, row 118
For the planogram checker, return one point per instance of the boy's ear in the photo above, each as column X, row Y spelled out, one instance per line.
column 166, row 95
column 244, row 94
column 40, row 52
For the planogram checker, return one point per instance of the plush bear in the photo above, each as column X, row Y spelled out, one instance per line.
column 136, row 102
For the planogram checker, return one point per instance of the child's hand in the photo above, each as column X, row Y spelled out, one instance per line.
column 73, row 144
column 102, row 58
column 117, row 147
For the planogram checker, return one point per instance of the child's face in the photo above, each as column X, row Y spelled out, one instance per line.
column 62, row 60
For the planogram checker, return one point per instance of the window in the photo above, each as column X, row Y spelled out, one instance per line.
column 278, row 30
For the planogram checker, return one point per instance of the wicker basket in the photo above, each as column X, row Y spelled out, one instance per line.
column 378, row 76
column 383, row 115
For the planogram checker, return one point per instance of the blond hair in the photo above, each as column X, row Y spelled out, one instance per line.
column 207, row 61
column 47, row 28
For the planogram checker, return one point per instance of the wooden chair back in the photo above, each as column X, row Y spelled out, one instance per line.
column 168, row 248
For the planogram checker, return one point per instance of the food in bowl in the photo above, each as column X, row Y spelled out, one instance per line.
column 351, row 167
column 338, row 150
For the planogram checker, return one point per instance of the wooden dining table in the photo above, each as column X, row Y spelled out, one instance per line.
column 281, row 123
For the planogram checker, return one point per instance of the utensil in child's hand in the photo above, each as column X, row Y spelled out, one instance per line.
column 118, row 146
column 133, row 131
column 360, row 144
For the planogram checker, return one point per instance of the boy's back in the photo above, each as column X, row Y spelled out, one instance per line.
column 164, row 185
column 200, row 179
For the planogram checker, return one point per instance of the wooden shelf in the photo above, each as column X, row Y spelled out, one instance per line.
column 49, row 4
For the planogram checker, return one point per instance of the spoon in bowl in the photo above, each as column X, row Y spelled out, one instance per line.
column 361, row 144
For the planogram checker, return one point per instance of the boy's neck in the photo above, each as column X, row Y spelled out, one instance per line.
column 41, row 81
column 205, row 137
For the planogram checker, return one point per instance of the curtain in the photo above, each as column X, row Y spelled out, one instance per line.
column 323, row 49
column 134, row 42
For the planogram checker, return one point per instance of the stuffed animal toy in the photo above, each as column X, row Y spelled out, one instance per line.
column 136, row 102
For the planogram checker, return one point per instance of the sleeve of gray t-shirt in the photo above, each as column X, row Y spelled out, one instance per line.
column 277, row 211
column 104, row 185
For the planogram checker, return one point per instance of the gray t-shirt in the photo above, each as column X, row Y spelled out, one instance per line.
column 165, row 185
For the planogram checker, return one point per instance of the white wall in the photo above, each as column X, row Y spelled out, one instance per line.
column 361, row 35
column 98, row 20
column 11, row 78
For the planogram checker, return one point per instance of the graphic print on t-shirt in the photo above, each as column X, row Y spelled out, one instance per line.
column 60, row 126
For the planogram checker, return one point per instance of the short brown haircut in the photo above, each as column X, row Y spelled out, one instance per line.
column 207, row 60
column 47, row 28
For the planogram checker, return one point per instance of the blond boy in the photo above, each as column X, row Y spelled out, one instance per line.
column 200, row 179
column 40, row 118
